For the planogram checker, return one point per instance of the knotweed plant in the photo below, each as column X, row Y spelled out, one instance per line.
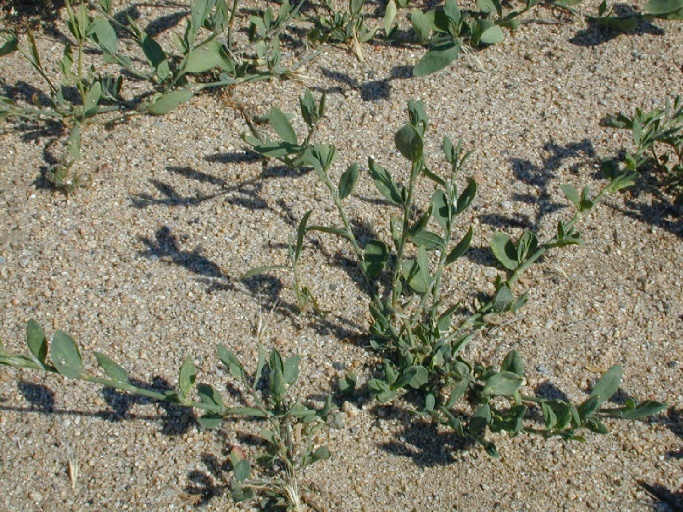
column 418, row 334
column 658, row 140
column 90, row 89
column 266, row 395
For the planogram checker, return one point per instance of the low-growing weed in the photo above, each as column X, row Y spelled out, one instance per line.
column 206, row 55
column 658, row 140
column 289, row 426
column 414, row 328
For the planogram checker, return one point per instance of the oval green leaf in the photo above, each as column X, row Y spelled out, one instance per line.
column 437, row 59
column 66, row 356
column 348, row 181
column 169, row 101
column 36, row 340
column 113, row 370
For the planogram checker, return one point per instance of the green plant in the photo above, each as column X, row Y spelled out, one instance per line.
column 414, row 329
column 346, row 27
column 449, row 30
column 85, row 95
column 265, row 395
column 609, row 18
column 658, row 140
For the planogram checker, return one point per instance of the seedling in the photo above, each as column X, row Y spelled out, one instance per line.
column 658, row 141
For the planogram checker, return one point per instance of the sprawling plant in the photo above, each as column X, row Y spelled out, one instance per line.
column 418, row 334
column 265, row 395
column 658, row 140
column 206, row 55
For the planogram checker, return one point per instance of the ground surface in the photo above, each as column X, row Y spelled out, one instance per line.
column 144, row 265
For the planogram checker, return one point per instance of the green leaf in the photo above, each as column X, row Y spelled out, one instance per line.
column 571, row 193
column 104, row 35
column 262, row 270
column 209, row 395
column 242, row 494
column 415, row 377
column 348, row 181
column 503, row 299
column 277, row 384
column 661, row 7
column 260, row 364
column 347, row 385
column 282, row 126
column 300, row 233
column 66, row 356
column 10, row 45
column 643, row 410
column 154, row 54
column 409, row 142
column 385, row 185
column 437, row 59
column 414, row 276
column 36, row 340
column 112, row 369
column 291, row 369
column 389, row 16
column 607, row 385
column 308, row 110
column 169, row 101
column 588, row 407
column 92, row 98
column 210, row 420
column 230, row 360
column 421, row 25
column 504, row 251
column 205, row 57
column 322, row 453
column 186, row 376
column 595, row 425
column 375, row 258
column 502, row 384
column 242, row 470
column 514, row 363
column 441, row 208
column 428, row 240
column 466, row 197
column 247, row 411
column 461, row 248
column 491, row 33
column 73, row 143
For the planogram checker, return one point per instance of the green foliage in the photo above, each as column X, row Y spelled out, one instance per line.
column 662, row 9
column 347, row 27
column 447, row 31
column 415, row 331
column 658, row 141
column 200, row 60
column 266, row 395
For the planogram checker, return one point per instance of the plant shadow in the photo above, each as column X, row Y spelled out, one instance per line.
column 596, row 34
column 167, row 247
column 665, row 499
column 175, row 420
column 539, row 178
column 417, row 439
column 370, row 90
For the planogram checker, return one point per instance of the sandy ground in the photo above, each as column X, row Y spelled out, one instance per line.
column 145, row 263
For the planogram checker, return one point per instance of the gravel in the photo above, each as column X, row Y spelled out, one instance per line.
column 144, row 265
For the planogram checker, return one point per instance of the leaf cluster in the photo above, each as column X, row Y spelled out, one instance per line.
column 413, row 328
column 658, row 140
column 204, row 56
column 266, row 395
